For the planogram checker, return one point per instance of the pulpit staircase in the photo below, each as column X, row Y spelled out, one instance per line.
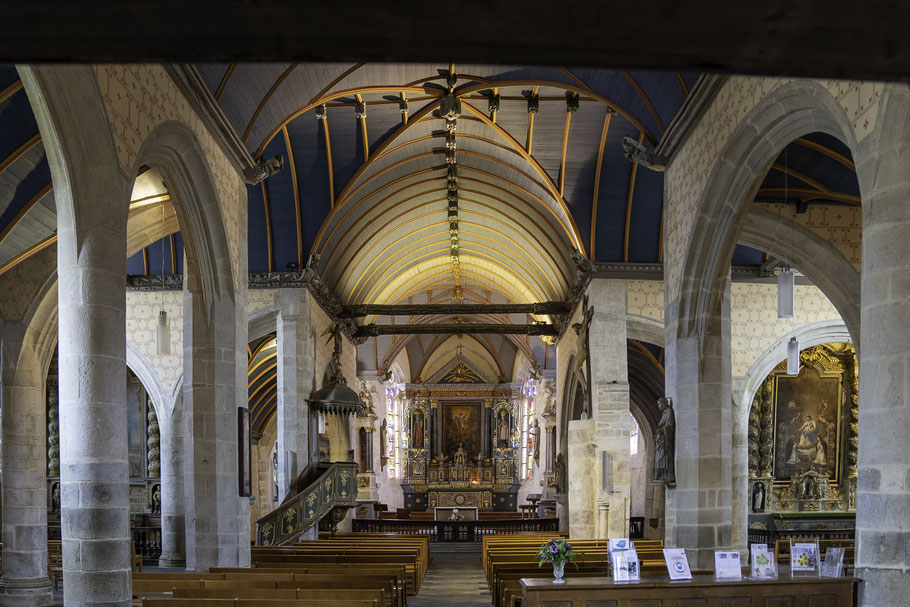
column 324, row 489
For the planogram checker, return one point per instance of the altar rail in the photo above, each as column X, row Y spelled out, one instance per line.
column 454, row 531
column 770, row 536
column 148, row 542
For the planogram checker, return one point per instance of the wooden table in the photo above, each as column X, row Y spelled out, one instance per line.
column 702, row 591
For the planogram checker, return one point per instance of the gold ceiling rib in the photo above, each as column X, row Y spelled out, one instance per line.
column 437, row 343
column 266, row 98
column 363, row 129
column 19, row 152
column 328, row 156
column 24, row 210
column 268, row 222
column 427, row 279
column 644, row 98
column 384, row 228
column 566, row 87
column 597, row 170
column 577, row 80
column 145, row 260
column 265, row 343
column 30, row 252
column 682, row 84
column 631, row 195
column 325, row 99
column 10, row 90
column 821, row 149
column 576, row 237
column 801, row 176
column 293, row 169
column 224, row 80
column 173, row 243
column 562, row 156
column 403, row 107
column 336, row 80
column 260, row 376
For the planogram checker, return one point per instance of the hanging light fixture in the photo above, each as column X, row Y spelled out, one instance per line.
column 164, row 325
column 793, row 356
column 786, row 295
column 786, row 280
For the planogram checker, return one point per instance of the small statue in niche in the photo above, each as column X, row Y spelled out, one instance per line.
column 561, row 480
column 665, row 445
column 758, row 497
column 55, row 497
column 535, row 437
column 155, row 501
column 504, row 429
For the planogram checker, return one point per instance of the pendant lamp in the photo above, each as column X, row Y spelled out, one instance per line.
column 793, row 357
column 164, row 325
column 786, row 283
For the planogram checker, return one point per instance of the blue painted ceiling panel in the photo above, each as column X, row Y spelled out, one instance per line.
column 257, row 233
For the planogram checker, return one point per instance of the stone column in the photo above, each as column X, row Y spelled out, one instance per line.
column 582, row 479
column 698, row 378
column 173, row 522
column 740, row 489
column 883, row 498
column 610, row 401
column 94, row 472
column 216, row 517
column 24, row 490
column 296, row 361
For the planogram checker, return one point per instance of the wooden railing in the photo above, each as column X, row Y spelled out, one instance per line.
column 148, row 542
column 454, row 531
column 334, row 487
column 770, row 536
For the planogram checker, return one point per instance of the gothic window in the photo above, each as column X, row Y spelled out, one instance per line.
column 633, row 436
column 528, row 394
column 395, row 426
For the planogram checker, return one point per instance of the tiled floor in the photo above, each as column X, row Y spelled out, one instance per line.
column 453, row 580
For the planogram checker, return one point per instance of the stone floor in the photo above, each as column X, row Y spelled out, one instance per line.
column 453, row 580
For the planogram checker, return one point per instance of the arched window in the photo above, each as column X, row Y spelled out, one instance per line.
column 526, row 410
column 633, row 436
column 394, row 426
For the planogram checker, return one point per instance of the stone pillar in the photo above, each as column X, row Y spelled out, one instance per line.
column 740, row 464
column 24, row 490
column 582, row 476
column 173, row 522
column 216, row 517
column 698, row 378
column 296, row 361
column 883, row 498
column 94, row 472
column 609, row 385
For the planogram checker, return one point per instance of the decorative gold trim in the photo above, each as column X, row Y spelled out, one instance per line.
column 644, row 98
column 265, row 100
column 293, row 168
column 631, row 195
column 224, row 80
column 19, row 152
column 600, row 162
column 34, row 250
column 24, row 210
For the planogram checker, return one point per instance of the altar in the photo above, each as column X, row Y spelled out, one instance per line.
column 463, row 444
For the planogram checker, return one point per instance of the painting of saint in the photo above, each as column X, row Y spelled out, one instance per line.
column 461, row 429
column 806, row 414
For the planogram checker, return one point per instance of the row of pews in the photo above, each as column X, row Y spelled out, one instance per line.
column 508, row 558
column 344, row 571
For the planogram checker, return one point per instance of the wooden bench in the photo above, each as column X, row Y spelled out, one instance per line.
column 237, row 602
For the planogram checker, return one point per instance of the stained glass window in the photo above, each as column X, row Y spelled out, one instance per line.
column 526, row 453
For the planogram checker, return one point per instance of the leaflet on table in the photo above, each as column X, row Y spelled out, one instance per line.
column 727, row 565
column 626, row 567
column 677, row 564
column 621, row 543
column 763, row 566
column 803, row 558
column 833, row 565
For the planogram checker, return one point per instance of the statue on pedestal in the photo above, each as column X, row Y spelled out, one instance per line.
column 561, row 476
column 665, row 445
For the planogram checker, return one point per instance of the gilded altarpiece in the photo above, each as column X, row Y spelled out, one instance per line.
column 462, row 442
column 803, row 435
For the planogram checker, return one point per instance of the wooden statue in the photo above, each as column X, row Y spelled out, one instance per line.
column 665, row 445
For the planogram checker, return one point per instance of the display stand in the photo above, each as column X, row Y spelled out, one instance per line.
column 804, row 561
column 762, row 565
column 727, row 566
column 833, row 565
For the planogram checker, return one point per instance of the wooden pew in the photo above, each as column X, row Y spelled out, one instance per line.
column 236, row 602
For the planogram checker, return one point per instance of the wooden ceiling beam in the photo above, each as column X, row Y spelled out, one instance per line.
column 456, row 329
column 546, row 307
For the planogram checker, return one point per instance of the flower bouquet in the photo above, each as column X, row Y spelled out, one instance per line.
column 557, row 551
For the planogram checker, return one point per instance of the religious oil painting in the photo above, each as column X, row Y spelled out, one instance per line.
column 807, row 410
column 461, row 429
